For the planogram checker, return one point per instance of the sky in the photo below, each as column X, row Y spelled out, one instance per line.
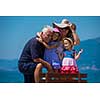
column 15, row 31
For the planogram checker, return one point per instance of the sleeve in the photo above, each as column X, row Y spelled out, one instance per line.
column 74, row 52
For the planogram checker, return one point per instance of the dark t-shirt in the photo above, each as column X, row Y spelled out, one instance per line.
column 32, row 50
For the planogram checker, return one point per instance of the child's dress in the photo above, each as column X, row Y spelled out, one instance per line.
column 69, row 65
column 52, row 57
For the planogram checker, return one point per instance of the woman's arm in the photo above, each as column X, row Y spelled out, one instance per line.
column 76, row 38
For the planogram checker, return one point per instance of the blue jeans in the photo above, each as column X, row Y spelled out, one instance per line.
column 27, row 69
column 29, row 78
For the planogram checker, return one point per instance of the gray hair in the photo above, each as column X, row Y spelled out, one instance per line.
column 47, row 28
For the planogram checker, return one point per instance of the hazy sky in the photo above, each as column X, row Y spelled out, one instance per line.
column 15, row 31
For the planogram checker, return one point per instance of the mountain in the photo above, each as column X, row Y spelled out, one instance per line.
column 10, row 76
column 88, row 63
column 89, row 60
column 91, row 53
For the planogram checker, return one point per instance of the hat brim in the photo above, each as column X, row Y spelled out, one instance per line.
column 60, row 25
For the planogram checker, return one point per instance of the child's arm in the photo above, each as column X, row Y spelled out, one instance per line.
column 60, row 55
column 78, row 55
column 49, row 47
column 46, row 45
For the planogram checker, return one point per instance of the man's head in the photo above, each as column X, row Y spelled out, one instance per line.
column 47, row 33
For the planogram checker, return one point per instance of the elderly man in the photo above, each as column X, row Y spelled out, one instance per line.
column 32, row 55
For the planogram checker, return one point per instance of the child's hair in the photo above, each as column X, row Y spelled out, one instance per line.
column 68, row 39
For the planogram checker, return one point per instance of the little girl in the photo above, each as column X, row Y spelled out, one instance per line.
column 69, row 65
column 51, row 52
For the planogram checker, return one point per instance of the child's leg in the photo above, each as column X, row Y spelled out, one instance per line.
column 56, row 70
column 48, row 66
column 37, row 72
column 38, row 69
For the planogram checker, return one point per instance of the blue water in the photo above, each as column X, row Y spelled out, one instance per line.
column 17, row 77
column 10, row 77
column 88, row 63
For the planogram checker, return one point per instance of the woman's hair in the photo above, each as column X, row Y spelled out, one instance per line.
column 69, row 34
column 74, row 26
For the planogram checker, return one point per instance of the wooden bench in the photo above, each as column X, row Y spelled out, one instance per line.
column 63, row 78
